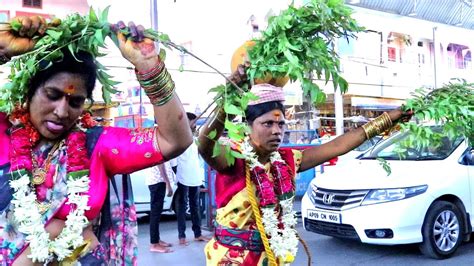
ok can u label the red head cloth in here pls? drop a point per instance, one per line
(267, 93)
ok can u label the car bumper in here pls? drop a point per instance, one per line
(142, 207)
(403, 217)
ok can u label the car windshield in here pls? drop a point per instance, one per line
(392, 150)
(368, 143)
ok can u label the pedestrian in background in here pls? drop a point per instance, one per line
(159, 184)
(189, 175)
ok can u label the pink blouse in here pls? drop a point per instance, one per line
(118, 151)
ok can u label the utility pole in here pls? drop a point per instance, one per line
(435, 55)
(154, 14)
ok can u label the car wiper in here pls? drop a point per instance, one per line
(395, 157)
(429, 158)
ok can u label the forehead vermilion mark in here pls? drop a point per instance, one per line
(70, 89)
(276, 114)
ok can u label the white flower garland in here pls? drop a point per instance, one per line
(283, 242)
(29, 220)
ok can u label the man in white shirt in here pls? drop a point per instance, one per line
(159, 183)
(189, 175)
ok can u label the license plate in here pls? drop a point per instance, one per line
(325, 216)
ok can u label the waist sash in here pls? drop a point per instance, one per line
(238, 239)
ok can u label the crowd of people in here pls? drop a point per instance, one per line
(58, 198)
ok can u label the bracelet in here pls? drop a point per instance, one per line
(157, 83)
(377, 126)
(4, 59)
(155, 70)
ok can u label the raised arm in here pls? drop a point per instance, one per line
(317, 155)
(206, 144)
(173, 133)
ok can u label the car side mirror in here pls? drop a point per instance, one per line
(469, 157)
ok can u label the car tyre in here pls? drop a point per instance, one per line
(442, 230)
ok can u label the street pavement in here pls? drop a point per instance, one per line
(324, 250)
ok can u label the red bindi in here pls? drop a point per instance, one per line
(70, 90)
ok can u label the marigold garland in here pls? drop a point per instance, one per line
(26, 214)
(282, 237)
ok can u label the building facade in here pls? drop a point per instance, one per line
(45, 8)
(396, 55)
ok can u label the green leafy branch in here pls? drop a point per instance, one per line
(300, 42)
(385, 165)
(451, 106)
(76, 33)
(297, 43)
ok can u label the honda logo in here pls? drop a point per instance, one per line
(328, 198)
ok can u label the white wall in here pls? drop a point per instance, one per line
(368, 76)
(58, 8)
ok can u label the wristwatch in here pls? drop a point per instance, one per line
(3, 59)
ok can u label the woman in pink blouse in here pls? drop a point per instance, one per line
(56, 204)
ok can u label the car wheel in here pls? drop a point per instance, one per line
(442, 230)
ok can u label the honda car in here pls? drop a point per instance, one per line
(427, 197)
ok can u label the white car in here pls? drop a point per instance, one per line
(428, 198)
(141, 195)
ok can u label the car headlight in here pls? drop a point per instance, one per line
(311, 192)
(391, 194)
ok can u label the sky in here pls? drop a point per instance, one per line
(190, 19)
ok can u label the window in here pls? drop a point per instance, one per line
(4, 15)
(391, 149)
(467, 60)
(32, 3)
(421, 58)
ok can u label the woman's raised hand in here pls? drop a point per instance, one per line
(137, 49)
(239, 76)
(399, 115)
(14, 42)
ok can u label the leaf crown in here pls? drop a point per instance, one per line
(75, 33)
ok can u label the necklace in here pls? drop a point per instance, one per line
(26, 210)
(39, 174)
(282, 241)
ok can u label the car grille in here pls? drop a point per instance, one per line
(337, 199)
(331, 229)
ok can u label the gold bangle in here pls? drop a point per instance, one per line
(389, 120)
(365, 131)
(369, 130)
(383, 122)
(377, 126)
